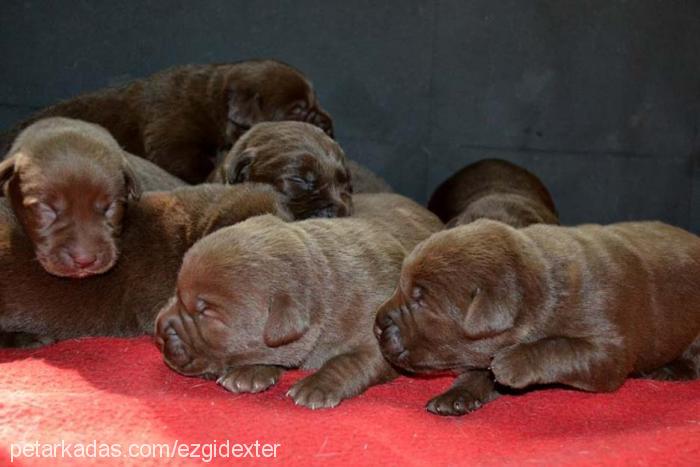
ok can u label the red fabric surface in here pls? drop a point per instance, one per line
(119, 391)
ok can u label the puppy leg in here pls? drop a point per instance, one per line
(341, 377)
(252, 378)
(582, 363)
(683, 369)
(469, 391)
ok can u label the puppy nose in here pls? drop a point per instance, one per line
(328, 211)
(321, 120)
(82, 259)
(388, 334)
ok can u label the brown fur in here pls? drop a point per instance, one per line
(493, 189)
(299, 160)
(122, 302)
(68, 182)
(181, 117)
(263, 296)
(584, 306)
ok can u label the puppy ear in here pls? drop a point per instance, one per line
(238, 169)
(286, 322)
(244, 107)
(485, 317)
(7, 170)
(133, 185)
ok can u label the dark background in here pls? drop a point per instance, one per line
(600, 98)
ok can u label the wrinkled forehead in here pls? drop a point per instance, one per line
(77, 177)
(295, 139)
(222, 276)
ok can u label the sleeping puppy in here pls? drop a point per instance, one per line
(584, 306)
(264, 296)
(181, 117)
(124, 300)
(299, 160)
(493, 189)
(68, 182)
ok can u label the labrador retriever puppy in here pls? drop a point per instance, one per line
(299, 160)
(124, 300)
(493, 189)
(581, 306)
(181, 117)
(264, 296)
(68, 182)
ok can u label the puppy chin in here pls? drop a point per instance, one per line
(58, 268)
(196, 367)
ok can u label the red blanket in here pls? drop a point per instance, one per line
(115, 399)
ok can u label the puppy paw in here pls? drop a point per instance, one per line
(453, 402)
(315, 394)
(512, 367)
(254, 378)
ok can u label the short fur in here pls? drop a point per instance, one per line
(264, 296)
(181, 117)
(299, 160)
(123, 301)
(68, 182)
(493, 189)
(584, 306)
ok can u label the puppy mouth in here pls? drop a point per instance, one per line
(59, 268)
(390, 338)
(180, 360)
(178, 355)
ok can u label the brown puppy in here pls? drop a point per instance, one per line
(584, 306)
(179, 118)
(493, 189)
(68, 182)
(263, 296)
(123, 301)
(299, 160)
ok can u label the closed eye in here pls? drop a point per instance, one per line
(307, 185)
(45, 213)
(109, 210)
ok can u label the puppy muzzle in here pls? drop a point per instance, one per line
(175, 352)
(321, 119)
(387, 329)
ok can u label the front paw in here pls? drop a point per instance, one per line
(455, 401)
(512, 367)
(254, 378)
(313, 393)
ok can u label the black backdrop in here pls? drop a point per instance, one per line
(600, 98)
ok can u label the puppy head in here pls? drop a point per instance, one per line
(299, 160)
(513, 209)
(69, 192)
(239, 301)
(460, 298)
(267, 90)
